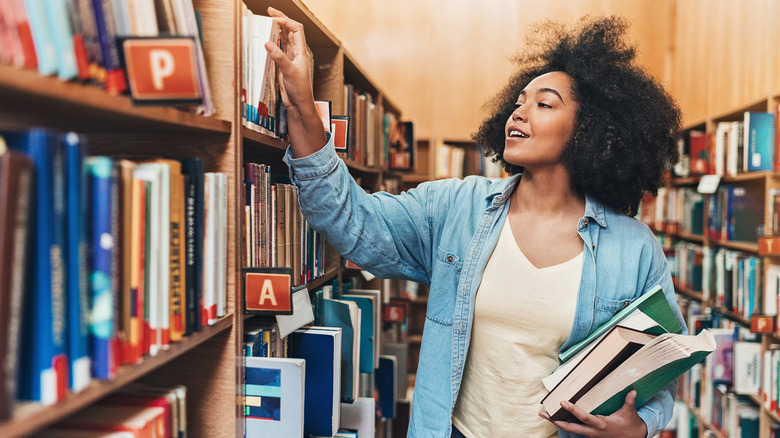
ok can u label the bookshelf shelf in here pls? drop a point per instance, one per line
(259, 140)
(319, 281)
(751, 247)
(29, 417)
(415, 178)
(79, 106)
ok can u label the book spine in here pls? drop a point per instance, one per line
(43, 366)
(40, 27)
(189, 252)
(176, 310)
(62, 39)
(137, 268)
(16, 177)
(77, 249)
(100, 170)
(106, 32)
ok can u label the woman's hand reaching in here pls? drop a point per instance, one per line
(304, 124)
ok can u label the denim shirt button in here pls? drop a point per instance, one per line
(449, 259)
(585, 223)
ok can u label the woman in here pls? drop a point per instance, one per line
(520, 269)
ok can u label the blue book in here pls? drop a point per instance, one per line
(102, 266)
(366, 305)
(759, 141)
(385, 384)
(43, 369)
(274, 397)
(321, 348)
(193, 169)
(76, 248)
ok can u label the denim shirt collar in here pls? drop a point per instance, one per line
(500, 191)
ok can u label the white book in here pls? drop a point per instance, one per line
(164, 256)
(359, 416)
(222, 237)
(747, 368)
(209, 249)
(283, 381)
(145, 18)
(721, 139)
(151, 173)
(262, 29)
(771, 286)
(302, 313)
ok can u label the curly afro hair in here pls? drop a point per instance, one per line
(626, 126)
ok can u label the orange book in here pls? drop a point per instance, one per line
(126, 302)
(143, 422)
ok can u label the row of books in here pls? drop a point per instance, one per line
(736, 147)
(136, 411)
(732, 213)
(734, 280)
(332, 358)
(80, 39)
(723, 387)
(124, 258)
(275, 232)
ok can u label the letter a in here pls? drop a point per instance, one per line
(267, 292)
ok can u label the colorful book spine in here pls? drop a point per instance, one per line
(106, 31)
(40, 27)
(43, 370)
(103, 191)
(76, 252)
(62, 39)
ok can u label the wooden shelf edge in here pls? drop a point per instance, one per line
(319, 281)
(29, 416)
(263, 139)
(352, 165)
(50, 88)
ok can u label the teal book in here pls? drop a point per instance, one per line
(366, 305)
(759, 137)
(338, 314)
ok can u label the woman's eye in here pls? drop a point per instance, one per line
(544, 105)
(518, 105)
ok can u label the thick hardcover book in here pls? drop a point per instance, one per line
(193, 169)
(103, 188)
(77, 249)
(116, 82)
(626, 360)
(366, 305)
(43, 367)
(45, 49)
(274, 397)
(321, 348)
(16, 191)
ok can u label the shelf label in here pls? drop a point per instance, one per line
(162, 70)
(268, 291)
(708, 184)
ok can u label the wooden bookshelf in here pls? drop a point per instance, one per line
(208, 363)
(760, 183)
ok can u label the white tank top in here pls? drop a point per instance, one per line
(522, 316)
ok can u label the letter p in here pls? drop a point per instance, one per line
(162, 66)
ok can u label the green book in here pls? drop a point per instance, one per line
(600, 382)
(653, 304)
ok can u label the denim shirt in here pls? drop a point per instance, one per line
(442, 234)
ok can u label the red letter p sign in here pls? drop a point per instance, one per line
(162, 70)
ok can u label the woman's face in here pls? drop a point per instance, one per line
(542, 123)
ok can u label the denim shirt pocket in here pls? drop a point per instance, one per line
(606, 308)
(446, 275)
